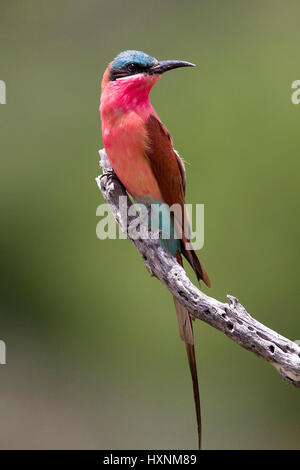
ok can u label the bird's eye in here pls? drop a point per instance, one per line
(132, 67)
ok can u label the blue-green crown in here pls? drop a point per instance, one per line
(136, 57)
(131, 62)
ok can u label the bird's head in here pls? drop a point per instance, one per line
(129, 78)
(138, 68)
(130, 63)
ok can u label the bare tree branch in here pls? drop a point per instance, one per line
(231, 318)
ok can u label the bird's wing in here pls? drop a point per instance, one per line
(169, 172)
(164, 162)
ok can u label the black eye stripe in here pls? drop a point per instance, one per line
(135, 67)
(129, 69)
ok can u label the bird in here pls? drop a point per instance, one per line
(140, 151)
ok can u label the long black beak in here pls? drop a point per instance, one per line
(166, 65)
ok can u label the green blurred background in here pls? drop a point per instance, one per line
(93, 354)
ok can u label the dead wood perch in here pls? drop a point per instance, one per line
(231, 318)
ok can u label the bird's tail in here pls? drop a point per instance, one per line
(187, 335)
(190, 349)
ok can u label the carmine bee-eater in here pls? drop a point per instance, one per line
(141, 153)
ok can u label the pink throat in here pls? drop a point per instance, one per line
(128, 93)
